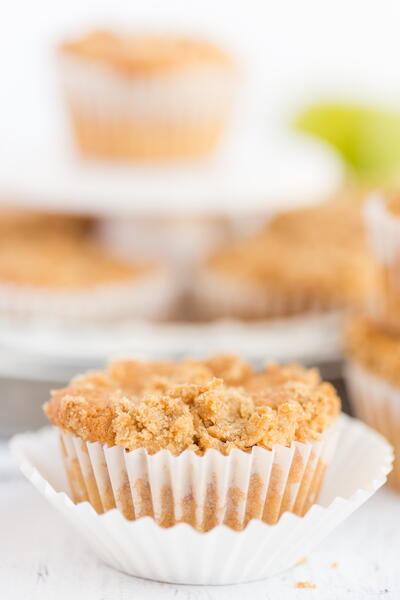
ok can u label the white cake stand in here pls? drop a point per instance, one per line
(252, 173)
(65, 351)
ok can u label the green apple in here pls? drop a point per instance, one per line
(367, 138)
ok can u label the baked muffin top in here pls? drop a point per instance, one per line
(374, 348)
(133, 53)
(55, 257)
(317, 251)
(219, 403)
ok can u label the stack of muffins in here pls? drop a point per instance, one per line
(130, 97)
(135, 97)
(373, 339)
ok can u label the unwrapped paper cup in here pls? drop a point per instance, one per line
(377, 403)
(181, 553)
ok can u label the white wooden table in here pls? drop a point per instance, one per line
(42, 558)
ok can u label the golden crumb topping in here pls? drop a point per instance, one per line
(374, 347)
(320, 252)
(58, 258)
(220, 403)
(138, 52)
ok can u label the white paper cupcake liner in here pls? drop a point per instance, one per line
(181, 554)
(377, 403)
(173, 105)
(218, 296)
(149, 296)
(203, 491)
(383, 231)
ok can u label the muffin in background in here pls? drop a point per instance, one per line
(201, 442)
(382, 220)
(51, 268)
(27, 223)
(146, 96)
(373, 379)
(309, 260)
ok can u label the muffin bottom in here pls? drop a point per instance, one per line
(123, 138)
(203, 491)
(216, 296)
(377, 403)
(383, 303)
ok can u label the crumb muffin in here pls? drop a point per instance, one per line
(373, 378)
(144, 96)
(197, 423)
(382, 219)
(306, 260)
(49, 271)
(25, 223)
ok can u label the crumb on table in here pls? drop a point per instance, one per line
(334, 565)
(305, 585)
(302, 561)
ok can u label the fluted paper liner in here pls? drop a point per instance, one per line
(148, 296)
(383, 230)
(203, 491)
(146, 116)
(219, 296)
(181, 554)
(377, 403)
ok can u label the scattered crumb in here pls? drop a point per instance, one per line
(334, 565)
(302, 561)
(305, 585)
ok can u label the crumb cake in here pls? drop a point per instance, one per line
(189, 409)
(373, 378)
(146, 96)
(305, 260)
(61, 262)
(382, 220)
(48, 269)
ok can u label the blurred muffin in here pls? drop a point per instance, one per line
(26, 223)
(313, 259)
(201, 442)
(146, 96)
(373, 379)
(51, 269)
(382, 219)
